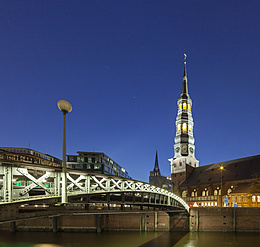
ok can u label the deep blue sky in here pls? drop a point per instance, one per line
(120, 64)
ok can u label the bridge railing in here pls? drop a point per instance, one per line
(48, 181)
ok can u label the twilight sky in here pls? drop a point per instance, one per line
(120, 64)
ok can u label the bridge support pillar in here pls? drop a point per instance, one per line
(155, 221)
(13, 226)
(98, 224)
(53, 224)
(143, 223)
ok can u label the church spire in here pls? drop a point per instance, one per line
(156, 166)
(184, 143)
(184, 80)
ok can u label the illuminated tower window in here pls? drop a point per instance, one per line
(184, 106)
(189, 107)
(179, 106)
(178, 127)
(190, 128)
(184, 127)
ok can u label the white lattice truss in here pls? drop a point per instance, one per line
(79, 183)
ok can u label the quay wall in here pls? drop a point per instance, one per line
(225, 219)
(139, 221)
(200, 219)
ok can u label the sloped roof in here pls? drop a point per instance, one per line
(239, 169)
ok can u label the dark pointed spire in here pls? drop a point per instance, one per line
(156, 166)
(184, 83)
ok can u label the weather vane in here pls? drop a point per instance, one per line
(185, 57)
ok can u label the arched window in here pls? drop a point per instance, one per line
(192, 193)
(215, 192)
(203, 193)
(184, 193)
(189, 107)
(229, 191)
(184, 106)
(179, 106)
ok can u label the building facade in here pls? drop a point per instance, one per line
(96, 162)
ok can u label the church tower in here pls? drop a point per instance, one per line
(184, 160)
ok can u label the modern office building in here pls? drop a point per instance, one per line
(96, 162)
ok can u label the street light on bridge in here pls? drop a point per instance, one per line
(65, 107)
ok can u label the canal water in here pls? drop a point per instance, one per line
(129, 239)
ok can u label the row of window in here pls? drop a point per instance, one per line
(31, 152)
(205, 192)
(184, 127)
(184, 106)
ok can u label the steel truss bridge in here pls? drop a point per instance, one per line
(41, 188)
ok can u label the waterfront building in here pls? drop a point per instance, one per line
(28, 155)
(96, 162)
(233, 183)
(156, 178)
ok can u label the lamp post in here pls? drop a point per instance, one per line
(221, 169)
(65, 107)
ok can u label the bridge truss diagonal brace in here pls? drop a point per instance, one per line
(75, 182)
(36, 182)
(99, 183)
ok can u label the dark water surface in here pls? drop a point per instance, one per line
(129, 239)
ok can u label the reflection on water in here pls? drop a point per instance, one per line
(220, 239)
(129, 239)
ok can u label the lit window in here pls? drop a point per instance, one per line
(233, 198)
(219, 192)
(203, 193)
(229, 191)
(179, 106)
(189, 107)
(245, 199)
(258, 198)
(239, 199)
(184, 127)
(215, 192)
(184, 105)
(184, 193)
(178, 127)
(253, 199)
(192, 193)
(190, 128)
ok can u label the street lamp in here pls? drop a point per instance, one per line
(65, 107)
(221, 169)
